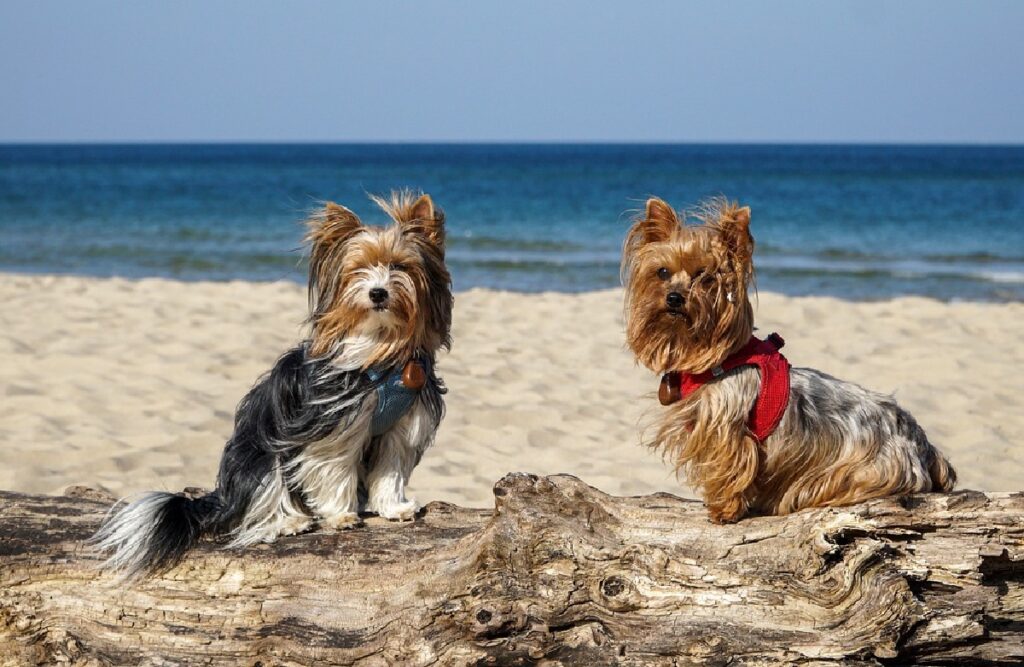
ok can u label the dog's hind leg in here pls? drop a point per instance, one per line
(327, 473)
(272, 512)
(392, 463)
(942, 473)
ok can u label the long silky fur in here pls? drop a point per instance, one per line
(315, 396)
(837, 443)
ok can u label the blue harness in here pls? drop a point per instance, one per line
(393, 398)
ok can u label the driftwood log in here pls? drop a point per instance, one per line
(557, 573)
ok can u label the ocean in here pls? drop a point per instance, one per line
(858, 222)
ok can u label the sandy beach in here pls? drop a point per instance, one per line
(131, 385)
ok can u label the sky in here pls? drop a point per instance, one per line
(907, 71)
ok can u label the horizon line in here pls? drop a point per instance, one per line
(498, 142)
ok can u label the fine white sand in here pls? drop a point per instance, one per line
(131, 385)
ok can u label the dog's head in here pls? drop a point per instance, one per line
(686, 286)
(387, 286)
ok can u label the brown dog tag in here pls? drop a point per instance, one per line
(413, 376)
(670, 391)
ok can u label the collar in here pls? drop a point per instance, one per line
(773, 395)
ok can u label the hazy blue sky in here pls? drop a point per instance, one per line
(512, 70)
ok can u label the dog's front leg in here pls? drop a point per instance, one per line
(398, 453)
(729, 481)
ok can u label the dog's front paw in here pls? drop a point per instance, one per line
(343, 521)
(730, 511)
(403, 511)
(294, 525)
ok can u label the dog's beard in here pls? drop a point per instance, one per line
(690, 338)
(363, 331)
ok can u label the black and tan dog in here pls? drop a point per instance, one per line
(339, 423)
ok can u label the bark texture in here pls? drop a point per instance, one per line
(557, 573)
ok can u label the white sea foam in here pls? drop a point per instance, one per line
(1014, 277)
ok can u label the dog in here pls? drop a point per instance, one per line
(748, 431)
(340, 422)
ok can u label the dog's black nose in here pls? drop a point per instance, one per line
(378, 295)
(674, 300)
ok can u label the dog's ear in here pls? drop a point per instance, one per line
(660, 221)
(335, 224)
(327, 233)
(425, 219)
(734, 228)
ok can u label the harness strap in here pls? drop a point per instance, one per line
(397, 389)
(773, 397)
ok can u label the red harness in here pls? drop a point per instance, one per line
(773, 397)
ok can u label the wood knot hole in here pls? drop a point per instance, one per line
(613, 586)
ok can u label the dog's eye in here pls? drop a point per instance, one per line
(395, 266)
(699, 274)
(664, 273)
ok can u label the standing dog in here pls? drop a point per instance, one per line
(749, 431)
(342, 419)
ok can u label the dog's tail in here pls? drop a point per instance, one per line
(153, 532)
(942, 473)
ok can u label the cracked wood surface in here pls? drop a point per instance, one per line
(557, 573)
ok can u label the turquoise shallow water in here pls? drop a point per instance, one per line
(860, 222)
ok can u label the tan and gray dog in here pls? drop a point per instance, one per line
(751, 433)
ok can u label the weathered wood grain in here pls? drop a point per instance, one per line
(557, 573)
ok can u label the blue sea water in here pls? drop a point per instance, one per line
(860, 222)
